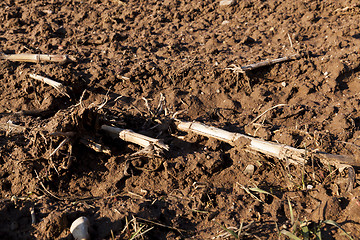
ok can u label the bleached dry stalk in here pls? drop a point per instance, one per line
(281, 151)
(58, 86)
(139, 139)
(250, 67)
(26, 57)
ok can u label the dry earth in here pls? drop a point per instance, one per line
(133, 56)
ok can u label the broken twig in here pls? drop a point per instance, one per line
(58, 147)
(97, 147)
(58, 86)
(250, 67)
(26, 57)
(279, 105)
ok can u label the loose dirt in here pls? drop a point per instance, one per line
(141, 63)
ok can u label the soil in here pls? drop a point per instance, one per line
(138, 65)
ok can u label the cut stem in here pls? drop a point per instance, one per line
(36, 58)
(133, 137)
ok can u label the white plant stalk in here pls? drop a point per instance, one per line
(58, 86)
(133, 137)
(281, 151)
(26, 57)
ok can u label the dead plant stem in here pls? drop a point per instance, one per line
(36, 58)
(281, 151)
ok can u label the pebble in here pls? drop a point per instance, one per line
(227, 2)
(249, 170)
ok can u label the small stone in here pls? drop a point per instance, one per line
(249, 170)
(227, 2)
(283, 84)
(48, 11)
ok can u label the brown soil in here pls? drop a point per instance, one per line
(132, 50)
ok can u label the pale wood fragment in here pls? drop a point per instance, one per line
(26, 57)
(227, 2)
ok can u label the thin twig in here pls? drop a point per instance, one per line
(248, 191)
(279, 105)
(106, 99)
(291, 44)
(44, 188)
(251, 67)
(81, 98)
(58, 147)
(62, 134)
(161, 225)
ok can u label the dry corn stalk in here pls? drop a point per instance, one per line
(130, 136)
(58, 86)
(281, 151)
(27, 57)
